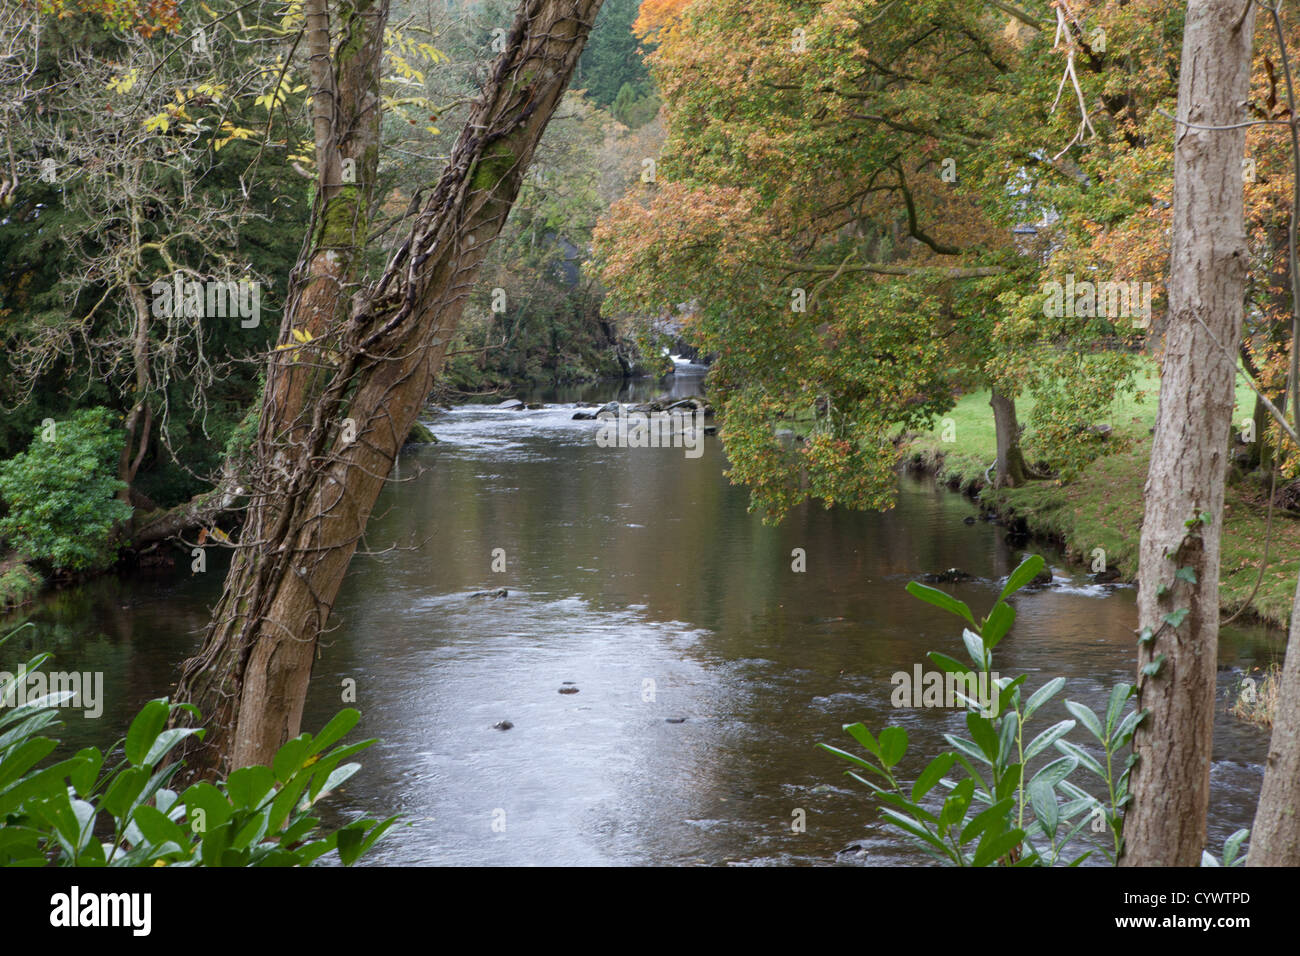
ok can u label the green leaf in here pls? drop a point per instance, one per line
(1042, 798)
(1119, 695)
(967, 748)
(1086, 717)
(997, 624)
(289, 758)
(144, 730)
(1055, 772)
(932, 774)
(994, 848)
(1152, 668)
(1043, 695)
(986, 738)
(975, 648)
(168, 739)
(1176, 617)
(981, 822)
(893, 744)
(1029, 569)
(954, 807)
(863, 736)
(852, 758)
(349, 846)
(1233, 846)
(83, 776)
(247, 786)
(941, 600)
(1086, 759)
(949, 664)
(335, 730)
(124, 790)
(1186, 574)
(157, 828)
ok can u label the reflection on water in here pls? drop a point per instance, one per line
(706, 668)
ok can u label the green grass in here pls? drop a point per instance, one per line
(1103, 507)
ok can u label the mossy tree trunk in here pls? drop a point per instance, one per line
(1010, 471)
(338, 409)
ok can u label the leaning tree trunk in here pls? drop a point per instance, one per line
(1010, 471)
(338, 409)
(1178, 596)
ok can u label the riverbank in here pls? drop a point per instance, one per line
(1102, 508)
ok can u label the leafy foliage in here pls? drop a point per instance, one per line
(994, 813)
(118, 808)
(60, 493)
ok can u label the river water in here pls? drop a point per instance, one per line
(706, 668)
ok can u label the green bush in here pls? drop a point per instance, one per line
(61, 493)
(116, 808)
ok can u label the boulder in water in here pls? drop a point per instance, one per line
(497, 593)
(420, 435)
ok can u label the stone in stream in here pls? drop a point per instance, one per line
(502, 725)
(511, 404)
(584, 417)
(853, 850)
(1106, 577)
(969, 519)
(497, 593)
(568, 688)
(1042, 579)
(951, 576)
(674, 720)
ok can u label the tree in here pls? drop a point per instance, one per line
(355, 362)
(874, 147)
(1178, 596)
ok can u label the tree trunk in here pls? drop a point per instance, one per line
(337, 410)
(1275, 836)
(1179, 615)
(1010, 471)
(140, 418)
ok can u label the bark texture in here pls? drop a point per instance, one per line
(1179, 609)
(1275, 836)
(338, 409)
(1010, 471)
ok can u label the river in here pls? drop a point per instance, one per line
(706, 668)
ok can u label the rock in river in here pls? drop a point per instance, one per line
(951, 576)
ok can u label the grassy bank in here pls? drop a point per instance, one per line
(1103, 507)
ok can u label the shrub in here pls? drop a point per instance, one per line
(60, 493)
(117, 809)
